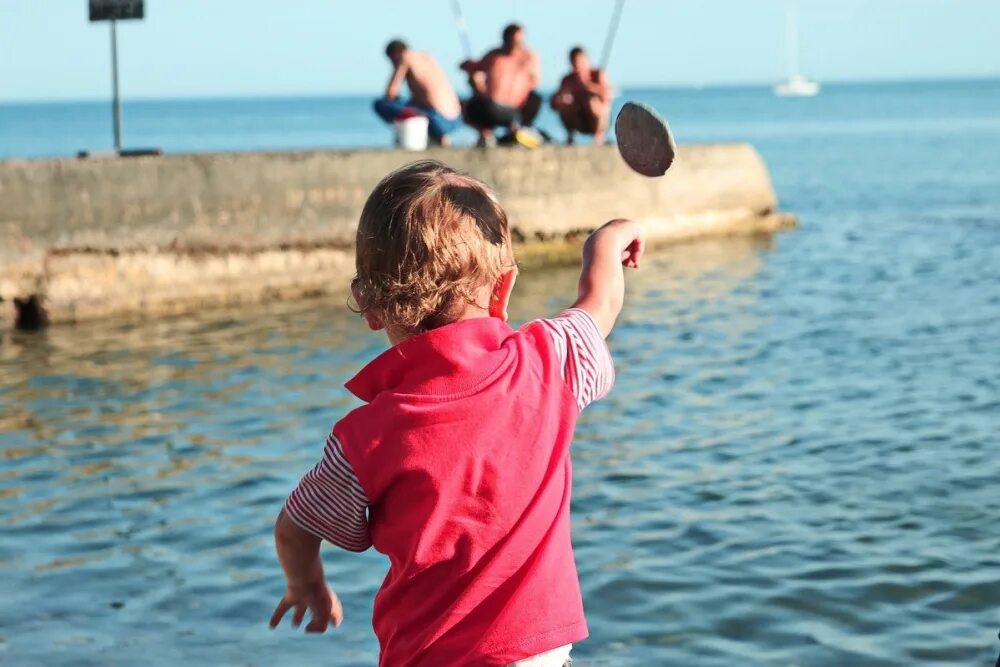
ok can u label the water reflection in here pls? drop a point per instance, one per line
(745, 491)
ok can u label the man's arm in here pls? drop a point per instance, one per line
(564, 95)
(565, 85)
(617, 244)
(396, 80)
(472, 66)
(602, 87)
(534, 69)
(306, 589)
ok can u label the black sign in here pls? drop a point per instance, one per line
(115, 10)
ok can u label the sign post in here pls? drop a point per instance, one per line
(114, 11)
(116, 100)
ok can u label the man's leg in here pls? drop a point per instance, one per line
(438, 126)
(570, 118)
(485, 114)
(530, 108)
(476, 116)
(388, 110)
(599, 111)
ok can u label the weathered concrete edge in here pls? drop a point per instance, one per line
(115, 238)
(178, 283)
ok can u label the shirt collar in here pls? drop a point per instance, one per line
(440, 361)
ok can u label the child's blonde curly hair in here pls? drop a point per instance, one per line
(429, 240)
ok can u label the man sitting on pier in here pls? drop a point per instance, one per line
(504, 96)
(583, 100)
(431, 94)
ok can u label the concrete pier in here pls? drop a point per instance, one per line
(82, 239)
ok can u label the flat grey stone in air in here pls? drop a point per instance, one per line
(644, 139)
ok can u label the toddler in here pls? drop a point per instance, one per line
(457, 464)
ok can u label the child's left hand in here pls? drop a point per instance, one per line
(318, 599)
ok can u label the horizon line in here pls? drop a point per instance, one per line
(994, 78)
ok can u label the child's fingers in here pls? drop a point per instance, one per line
(279, 612)
(336, 610)
(319, 623)
(633, 253)
(640, 248)
(323, 616)
(300, 613)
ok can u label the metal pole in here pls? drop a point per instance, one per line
(116, 105)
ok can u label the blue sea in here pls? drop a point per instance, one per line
(799, 464)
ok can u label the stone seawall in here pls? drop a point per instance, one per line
(167, 234)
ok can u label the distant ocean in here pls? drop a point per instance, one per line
(278, 123)
(799, 463)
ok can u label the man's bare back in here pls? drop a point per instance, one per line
(429, 85)
(431, 94)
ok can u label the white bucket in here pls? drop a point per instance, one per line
(411, 133)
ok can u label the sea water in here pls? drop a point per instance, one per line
(799, 463)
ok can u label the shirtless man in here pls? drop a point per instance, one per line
(583, 100)
(504, 81)
(431, 93)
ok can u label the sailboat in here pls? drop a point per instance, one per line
(796, 85)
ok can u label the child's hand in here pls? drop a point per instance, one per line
(321, 601)
(602, 283)
(635, 248)
(623, 234)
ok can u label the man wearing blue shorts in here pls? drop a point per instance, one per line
(431, 93)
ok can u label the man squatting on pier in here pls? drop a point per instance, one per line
(504, 96)
(431, 93)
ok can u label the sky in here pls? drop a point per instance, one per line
(221, 48)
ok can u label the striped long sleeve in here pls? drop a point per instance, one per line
(585, 360)
(330, 503)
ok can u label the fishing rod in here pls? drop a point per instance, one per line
(612, 31)
(463, 30)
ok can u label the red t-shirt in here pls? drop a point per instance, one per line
(460, 456)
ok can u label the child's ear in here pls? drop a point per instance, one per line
(374, 322)
(500, 297)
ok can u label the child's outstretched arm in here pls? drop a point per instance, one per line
(616, 244)
(306, 589)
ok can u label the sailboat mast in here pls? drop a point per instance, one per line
(796, 85)
(792, 41)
